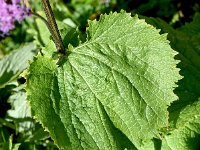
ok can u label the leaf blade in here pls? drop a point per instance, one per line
(124, 79)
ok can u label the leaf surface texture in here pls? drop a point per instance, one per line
(121, 78)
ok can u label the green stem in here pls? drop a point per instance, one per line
(53, 26)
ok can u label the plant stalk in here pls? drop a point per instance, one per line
(53, 26)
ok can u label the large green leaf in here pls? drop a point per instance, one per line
(122, 77)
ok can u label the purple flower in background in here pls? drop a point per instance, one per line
(10, 12)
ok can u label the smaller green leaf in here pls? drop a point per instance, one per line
(15, 63)
(188, 114)
(186, 136)
(42, 34)
(20, 112)
(20, 109)
(40, 31)
(70, 36)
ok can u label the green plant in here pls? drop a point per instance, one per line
(115, 86)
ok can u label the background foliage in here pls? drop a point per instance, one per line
(180, 19)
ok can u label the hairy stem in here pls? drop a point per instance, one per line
(53, 26)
